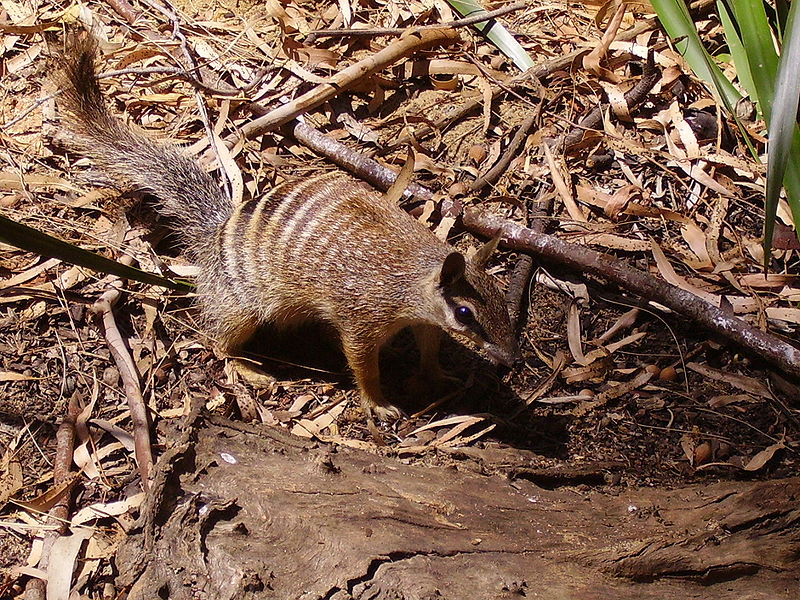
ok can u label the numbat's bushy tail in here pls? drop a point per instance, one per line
(325, 248)
(187, 194)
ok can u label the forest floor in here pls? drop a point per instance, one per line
(612, 393)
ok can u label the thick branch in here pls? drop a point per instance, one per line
(769, 348)
(404, 46)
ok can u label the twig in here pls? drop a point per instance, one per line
(766, 346)
(59, 513)
(365, 168)
(517, 291)
(517, 288)
(485, 16)
(510, 153)
(633, 97)
(398, 49)
(130, 378)
(125, 10)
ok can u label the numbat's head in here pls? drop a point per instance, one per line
(470, 304)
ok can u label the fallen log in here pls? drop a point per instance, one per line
(252, 512)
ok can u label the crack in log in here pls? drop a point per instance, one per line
(396, 557)
(320, 493)
(764, 521)
(715, 574)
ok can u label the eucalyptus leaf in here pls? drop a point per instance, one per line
(677, 22)
(33, 240)
(784, 137)
(495, 33)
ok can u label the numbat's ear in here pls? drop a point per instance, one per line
(485, 252)
(452, 269)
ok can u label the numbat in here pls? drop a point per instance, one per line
(325, 248)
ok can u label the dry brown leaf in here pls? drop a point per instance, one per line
(564, 399)
(122, 436)
(305, 428)
(626, 321)
(629, 339)
(45, 501)
(572, 207)
(82, 457)
(610, 241)
(616, 99)
(486, 92)
(442, 230)
(33, 312)
(725, 399)
(446, 423)
(395, 193)
(669, 274)
(230, 168)
(329, 417)
(613, 392)
(455, 431)
(742, 382)
(688, 446)
(687, 137)
(591, 61)
(696, 170)
(23, 59)
(102, 510)
(597, 372)
(12, 376)
(14, 182)
(578, 291)
(170, 98)
(763, 457)
(789, 315)
(790, 294)
(29, 29)
(290, 23)
(144, 54)
(619, 200)
(767, 281)
(696, 239)
(556, 365)
(10, 475)
(702, 453)
(595, 197)
(18, 12)
(61, 563)
(463, 441)
(574, 335)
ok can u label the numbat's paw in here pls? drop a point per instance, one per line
(382, 412)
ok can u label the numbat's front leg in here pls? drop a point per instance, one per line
(363, 360)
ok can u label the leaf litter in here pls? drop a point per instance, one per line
(606, 377)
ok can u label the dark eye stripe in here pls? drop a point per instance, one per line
(474, 325)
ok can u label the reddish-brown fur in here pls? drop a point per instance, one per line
(326, 248)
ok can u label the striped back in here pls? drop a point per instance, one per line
(320, 246)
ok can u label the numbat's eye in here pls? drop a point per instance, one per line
(464, 315)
